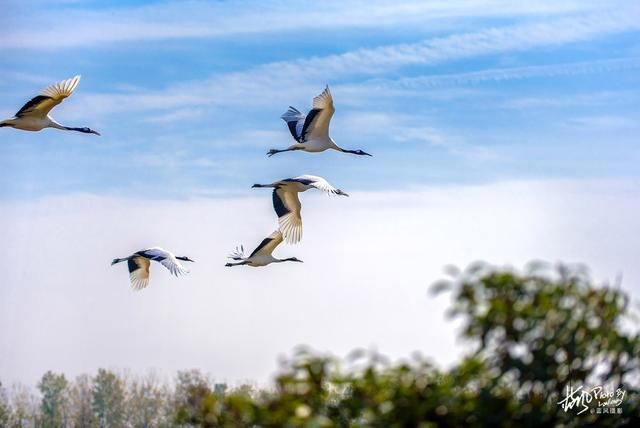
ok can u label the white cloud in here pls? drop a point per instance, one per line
(412, 129)
(427, 135)
(604, 122)
(588, 99)
(369, 260)
(66, 26)
(179, 115)
(512, 73)
(175, 160)
(262, 85)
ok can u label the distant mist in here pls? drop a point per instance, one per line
(369, 260)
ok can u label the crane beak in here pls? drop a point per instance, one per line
(91, 131)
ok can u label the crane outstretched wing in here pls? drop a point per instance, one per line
(295, 122)
(287, 207)
(174, 266)
(50, 97)
(237, 254)
(268, 244)
(166, 259)
(319, 183)
(316, 124)
(138, 272)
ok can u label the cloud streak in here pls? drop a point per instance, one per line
(262, 85)
(72, 26)
(514, 73)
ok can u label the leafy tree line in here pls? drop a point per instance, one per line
(108, 399)
(536, 335)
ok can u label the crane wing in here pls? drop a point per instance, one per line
(138, 272)
(237, 254)
(174, 266)
(50, 97)
(295, 122)
(268, 244)
(317, 182)
(287, 207)
(166, 259)
(316, 124)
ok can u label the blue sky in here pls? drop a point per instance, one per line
(501, 131)
(188, 95)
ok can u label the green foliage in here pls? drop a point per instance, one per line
(147, 404)
(5, 409)
(533, 334)
(108, 399)
(81, 394)
(24, 408)
(540, 331)
(54, 404)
